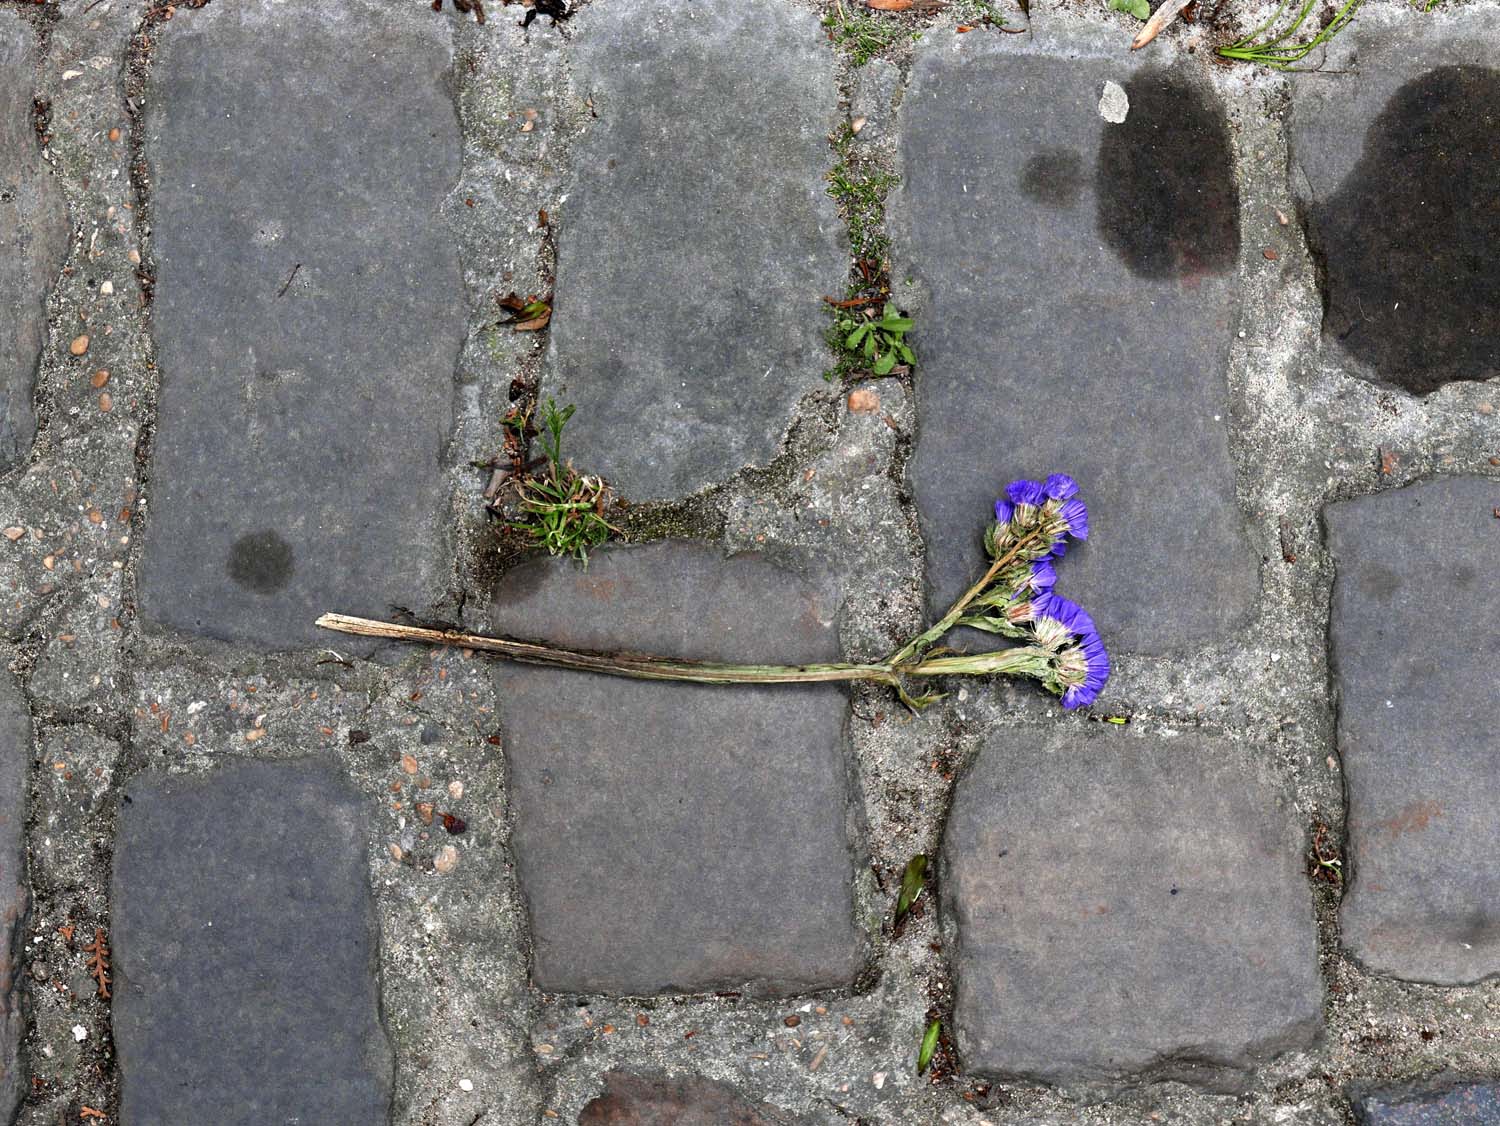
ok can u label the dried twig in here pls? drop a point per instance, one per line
(98, 952)
(1159, 19)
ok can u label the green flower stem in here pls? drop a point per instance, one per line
(926, 640)
(1020, 661)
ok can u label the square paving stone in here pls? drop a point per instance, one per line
(697, 240)
(308, 317)
(1082, 285)
(34, 233)
(245, 951)
(15, 767)
(677, 837)
(1453, 1104)
(1126, 906)
(1397, 159)
(640, 1100)
(1416, 660)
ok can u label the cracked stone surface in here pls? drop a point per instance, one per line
(677, 837)
(682, 901)
(1126, 905)
(34, 235)
(1416, 640)
(303, 318)
(1082, 285)
(246, 950)
(690, 272)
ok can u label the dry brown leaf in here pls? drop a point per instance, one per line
(98, 952)
(889, 5)
(535, 323)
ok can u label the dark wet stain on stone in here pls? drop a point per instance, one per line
(1168, 201)
(1053, 178)
(1408, 244)
(261, 562)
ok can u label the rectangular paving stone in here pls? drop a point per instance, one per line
(15, 766)
(676, 837)
(697, 239)
(1405, 125)
(245, 951)
(307, 319)
(1127, 906)
(1415, 636)
(34, 234)
(1453, 1104)
(643, 1100)
(1081, 277)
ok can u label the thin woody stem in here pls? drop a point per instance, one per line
(1020, 661)
(956, 611)
(639, 668)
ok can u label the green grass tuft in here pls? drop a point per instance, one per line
(1277, 51)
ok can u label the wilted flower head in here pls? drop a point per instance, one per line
(1033, 522)
(1036, 519)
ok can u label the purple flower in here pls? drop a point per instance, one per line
(1069, 614)
(1095, 673)
(1060, 486)
(1043, 576)
(1026, 492)
(1004, 510)
(1076, 517)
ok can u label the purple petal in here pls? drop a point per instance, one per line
(1076, 516)
(1026, 492)
(1060, 486)
(1004, 510)
(1043, 575)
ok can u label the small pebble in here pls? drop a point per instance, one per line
(1484, 408)
(446, 859)
(409, 764)
(106, 402)
(80, 1033)
(101, 377)
(395, 851)
(134, 257)
(79, 346)
(791, 1021)
(107, 288)
(466, 1084)
(114, 134)
(455, 789)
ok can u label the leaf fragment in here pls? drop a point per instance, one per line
(929, 1045)
(911, 883)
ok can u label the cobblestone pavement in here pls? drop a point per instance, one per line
(252, 347)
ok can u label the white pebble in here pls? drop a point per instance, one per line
(466, 1084)
(1114, 103)
(80, 1033)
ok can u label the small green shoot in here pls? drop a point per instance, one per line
(864, 35)
(880, 343)
(562, 510)
(1140, 9)
(911, 884)
(929, 1045)
(1277, 52)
